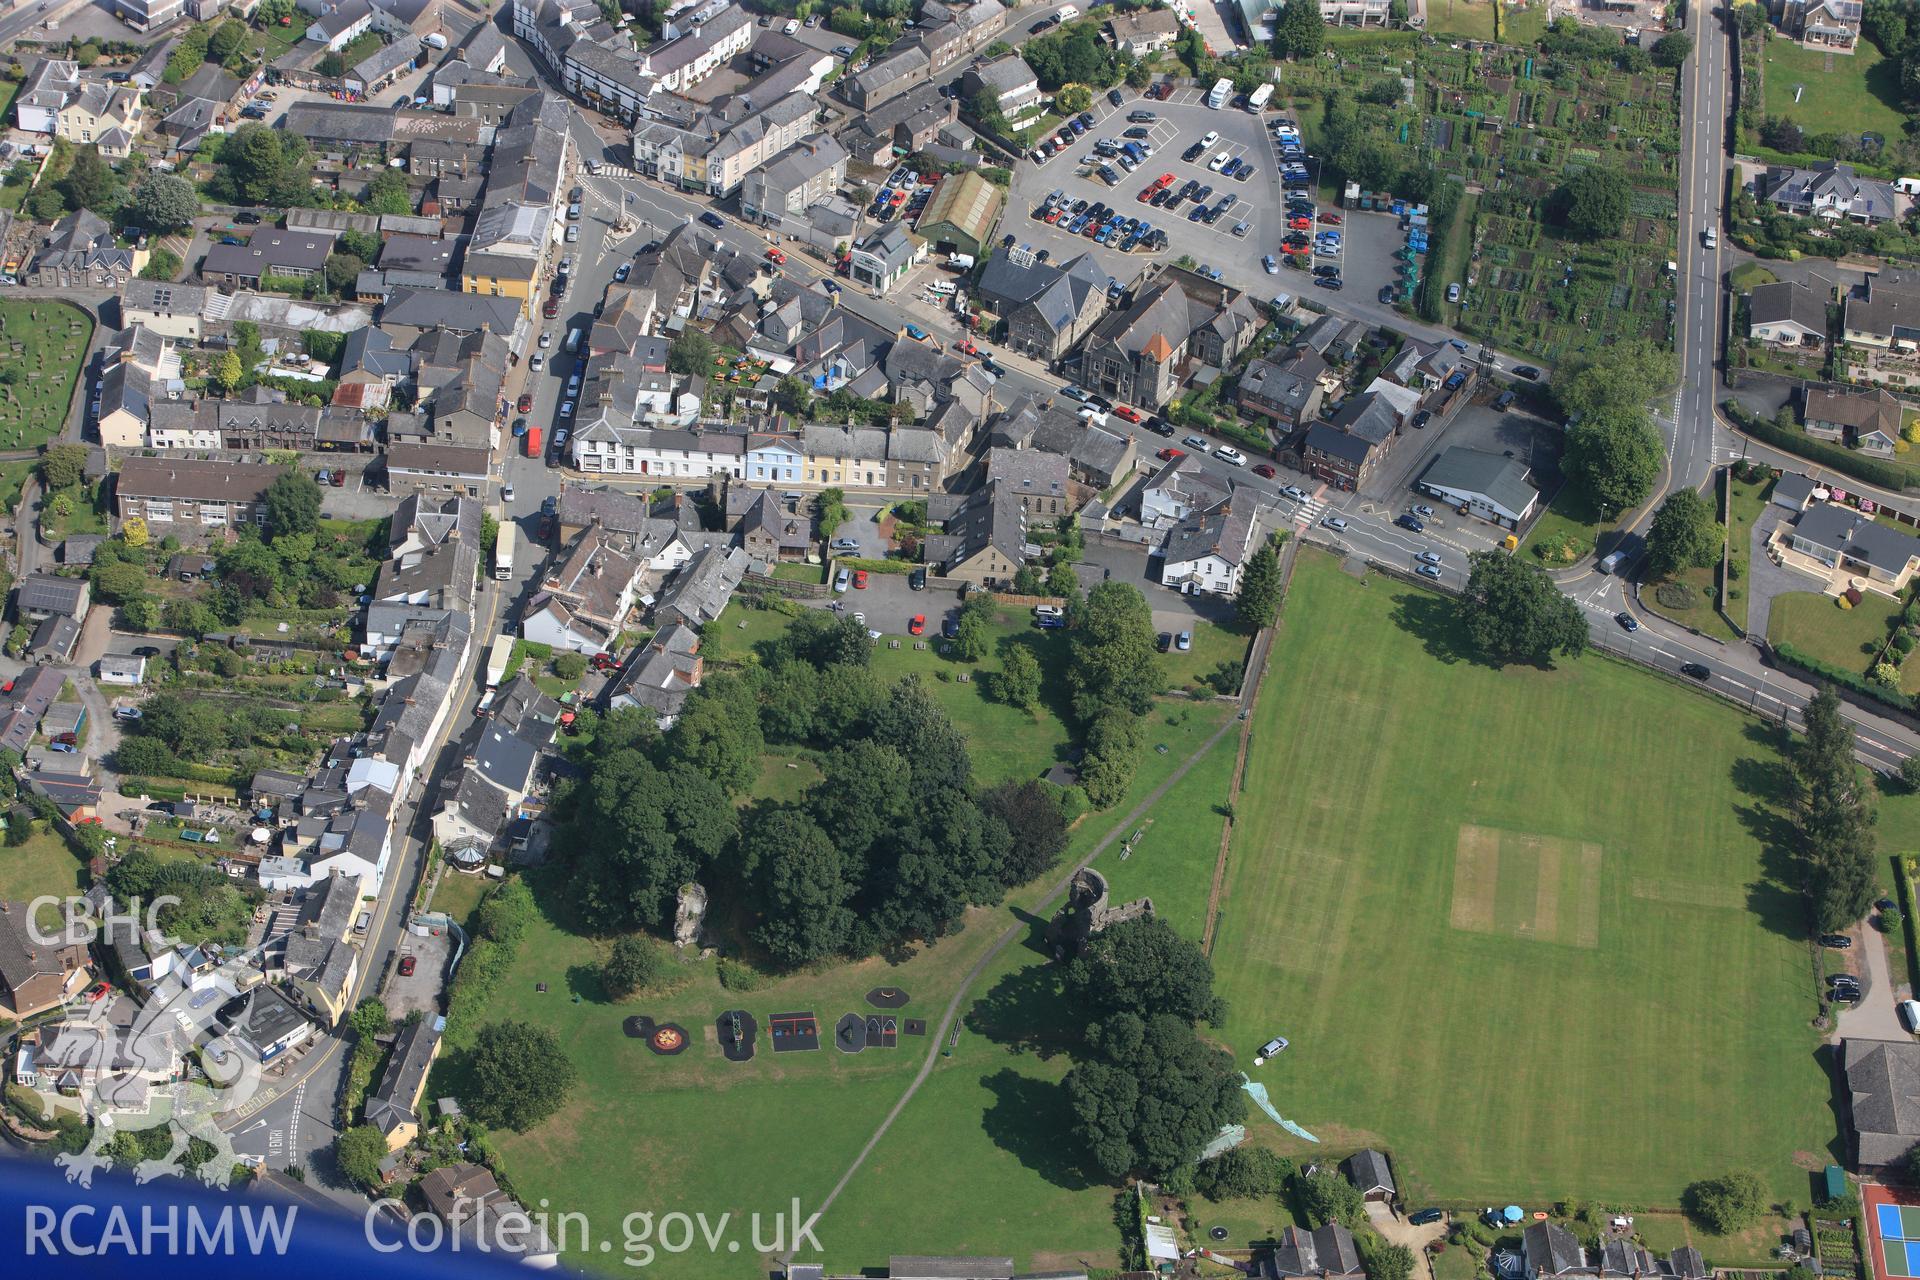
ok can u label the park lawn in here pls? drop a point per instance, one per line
(994, 1109)
(1754, 1247)
(1608, 835)
(458, 893)
(44, 865)
(49, 341)
(1815, 624)
(1470, 19)
(1858, 96)
(1452, 267)
(1746, 502)
(694, 1132)
(1213, 644)
(783, 778)
(1571, 512)
(1699, 613)
(1005, 741)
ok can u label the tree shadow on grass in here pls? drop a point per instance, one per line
(1026, 1012)
(584, 981)
(1769, 783)
(1431, 620)
(1028, 1120)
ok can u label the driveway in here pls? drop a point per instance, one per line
(1398, 1230)
(1873, 1018)
(1765, 579)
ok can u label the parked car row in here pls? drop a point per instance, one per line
(1101, 224)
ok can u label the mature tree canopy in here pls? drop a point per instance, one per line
(1035, 824)
(643, 831)
(806, 883)
(1018, 684)
(718, 732)
(89, 183)
(1243, 1173)
(1514, 613)
(292, 503)
(633, 965)
(1621, 375)
(1326, 1197)
(1594, 202)
(1834, 818)
(1672, 49)
(691, 352)
(388, 193)
(163, 202)
(1616, 455)
(1110, 660)
(63, 466)
(359, 1152)
(1684, 534)
(1300, 33)
(1151, 1095)
(518, 1075)
(1258, 603)
(1144, 966)
(1729, 1203)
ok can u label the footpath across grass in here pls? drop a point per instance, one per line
(1453, 888)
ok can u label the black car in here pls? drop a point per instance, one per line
(1411, 523)
(950, 628)
(146, 651)
(1192, 153)
(713, 220)
(1115, 97)
(1334, 283)
(1627, 621)
(247, 219)
(1526, 371)
(549, 505)
(1166, 641)
(1137, 132)
(917, 580)
(1424, 1216)
(1038, 27)
(1845, 995)
(1161, 427)
(1422, 418)
(1386, 295)
(1842, 980)
(1326, 269)
(1694, 670)
(1838, 941)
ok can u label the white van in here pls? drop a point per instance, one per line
(1067, 13)
(573, 340)
(941, 288)
(961, 262)
(1910, 1014)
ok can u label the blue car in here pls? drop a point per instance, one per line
(1196, 213)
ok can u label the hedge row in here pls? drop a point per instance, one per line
(1841, 676)
(1839, 457)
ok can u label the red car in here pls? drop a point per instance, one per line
(1169, 454)
(551, 309)
(967, 348)
(1166, 180)
(1128, 412)
(407, 963)
(1331, 219)
(603, 662)
(918, 625)
(774, 255)
(1300, 224)
(526, 402)
(1264, 471)
(859, 579)
(1146, 194)
(97, 992)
